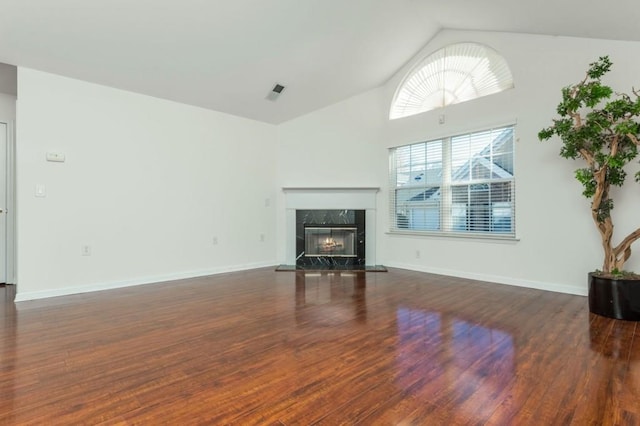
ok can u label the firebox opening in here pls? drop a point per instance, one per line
(330, 241)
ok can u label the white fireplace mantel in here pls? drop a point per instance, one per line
(330, 198)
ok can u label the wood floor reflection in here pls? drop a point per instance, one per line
(266, 347)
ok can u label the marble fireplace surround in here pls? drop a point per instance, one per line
(330, 198)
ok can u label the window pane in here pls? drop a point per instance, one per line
(418, 208)
(501, 191)
(403, 165)
(501, 217)
(419, 164)
(482, 208)
(481, 168)
(426, 218)
(460, 157)
(459, 217)
(503, 141)
(418, 160)
(434, 163)
(502, 166)
(479, 208)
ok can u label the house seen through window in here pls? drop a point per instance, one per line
(463, 184)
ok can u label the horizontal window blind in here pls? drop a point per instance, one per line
(463, 184)
(454, 74)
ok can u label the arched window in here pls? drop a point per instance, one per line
(457, 73)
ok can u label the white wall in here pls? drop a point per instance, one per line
(557, 243)
(339, 146)
(147, 184)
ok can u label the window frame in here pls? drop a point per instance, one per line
(494, 220)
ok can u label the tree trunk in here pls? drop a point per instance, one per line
(623, 250)
(606, 232)
(604, 225)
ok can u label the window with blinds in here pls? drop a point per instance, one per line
(458, 185)
(457, 73)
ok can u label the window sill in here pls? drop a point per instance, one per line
(456, 236)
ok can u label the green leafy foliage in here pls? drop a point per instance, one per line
(600, 128)
(585, 177)
(603, 129)
(599, 68)
(603, 210)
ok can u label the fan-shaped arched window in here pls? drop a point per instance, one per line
(457, 73)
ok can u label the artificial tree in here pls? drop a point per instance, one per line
(603, 129)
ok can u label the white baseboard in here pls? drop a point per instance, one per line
(557, 288)
(24, 296)
(33, 295)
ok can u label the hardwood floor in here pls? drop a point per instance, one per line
(286, 348)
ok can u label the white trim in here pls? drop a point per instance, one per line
(496, 279)
(33, 295)
(478, 237)
(11, 203)
(330, 188)
(330, 198)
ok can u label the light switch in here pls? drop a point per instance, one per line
(41, 191)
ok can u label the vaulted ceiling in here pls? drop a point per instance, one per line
(227, 55)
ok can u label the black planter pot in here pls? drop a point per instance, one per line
(614, 298)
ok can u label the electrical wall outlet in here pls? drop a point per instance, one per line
(417, 254)
(57, 157)
(86, 250)
(262, 238)
(215, 241)
(41, 191)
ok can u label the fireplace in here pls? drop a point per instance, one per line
(330, 238)
(337, 207)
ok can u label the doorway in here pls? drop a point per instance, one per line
(7, 218)
(8, 97)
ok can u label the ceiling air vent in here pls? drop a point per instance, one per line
(274, 94)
